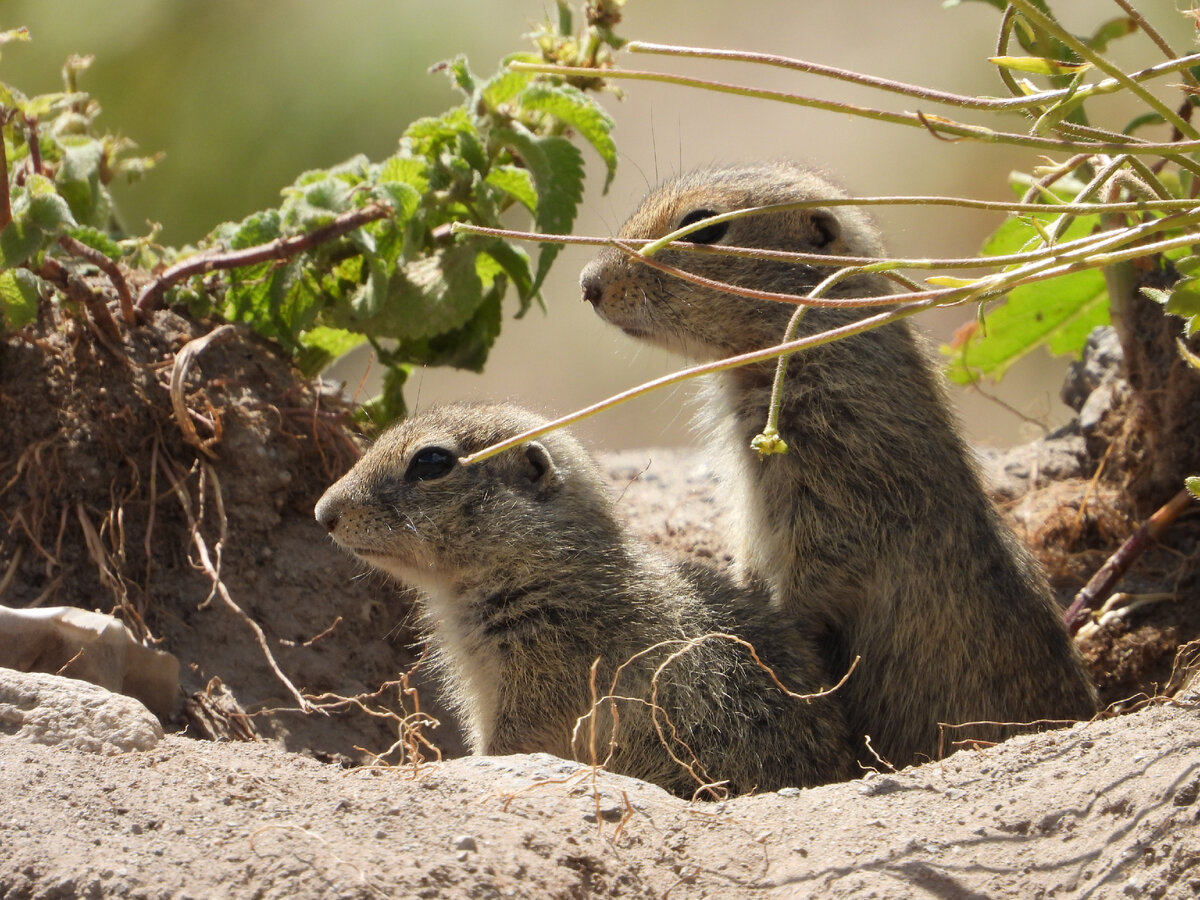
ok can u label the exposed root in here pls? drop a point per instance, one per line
(213, 570)
(183, 361)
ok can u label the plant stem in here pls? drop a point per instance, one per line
(941, 126)
(1157, 38)
(5, 197)
(683, 375)
(1018, 102)
(1105, 581)
(109, 268)
(281, 248)
(1048, 25)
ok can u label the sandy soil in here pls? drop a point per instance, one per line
(1103, 810)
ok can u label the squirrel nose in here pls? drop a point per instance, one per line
(327, 514)
(593, 287)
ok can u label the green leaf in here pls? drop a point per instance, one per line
(78, 181)
(1060, 313)
(1184, 300)
(515, 263)
(19, 240)
(557, 168)
(1110, 31)
(470, 148)
(427, 297)
(426, 137)
(47, 210)
(405, 170)
(517, 183)
(1143, 121)
(502, 88)
(579, 111)
(319, 346)
(1039, 65)
(97, 240)
(18, 298)
(1193, 484)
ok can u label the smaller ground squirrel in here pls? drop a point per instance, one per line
(874, 527)
(528, 577)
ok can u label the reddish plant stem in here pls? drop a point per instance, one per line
(1105, 581)
(80, 292)
(5, 198)
(35, 147)
(109, 268)
(282, 248)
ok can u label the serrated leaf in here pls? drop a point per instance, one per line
(517, 183)
(470, 148)
(1039, 65)
(1184, 299)
(429, 296)
(502, 88)
(321, 345)
(18, 299)
(1193, 485)
(406, 170)
(404, 199)
(1060, 313)
(427, 135)
(78, 181)
(315, 203)
(557, 168)
(579, 111)
(20, 240)
(515, 263)
(47, 210)
(97, 240)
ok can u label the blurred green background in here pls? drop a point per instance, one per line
(243, 96)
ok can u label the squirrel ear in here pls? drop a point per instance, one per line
(826, 228)
(541, 471)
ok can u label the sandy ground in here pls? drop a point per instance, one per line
(1101, 810)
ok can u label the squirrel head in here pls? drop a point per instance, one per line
(411, 508)
(704, 322)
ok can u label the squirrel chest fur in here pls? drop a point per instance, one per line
(874, 528)
(528, 580)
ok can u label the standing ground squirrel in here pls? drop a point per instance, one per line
(874, 527)
(528, 577)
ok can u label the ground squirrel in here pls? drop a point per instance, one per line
(874, 527)
(528, 577)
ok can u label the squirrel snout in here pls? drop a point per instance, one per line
(591, 283)
(327, 513)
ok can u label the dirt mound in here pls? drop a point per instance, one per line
(107, 506)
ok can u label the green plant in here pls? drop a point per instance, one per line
(362, 251)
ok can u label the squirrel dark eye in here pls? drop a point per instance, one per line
(707, 235)
(430, 463)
